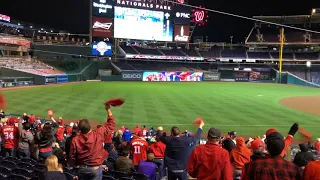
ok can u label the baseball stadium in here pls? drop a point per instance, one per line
(167, 77)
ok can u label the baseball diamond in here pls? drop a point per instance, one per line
(250, 108)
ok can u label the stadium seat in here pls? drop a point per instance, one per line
(108, 178)
(9, 164)
(138, 176)
(13, 159)
(3, 177)
(119, 174)
(126, 178)
(40, 167)
(24, 172)
(17, 177)
(4, 171)
(68, 176)
(30, 161)
(25, 165)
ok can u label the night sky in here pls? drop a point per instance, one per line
(73, 15)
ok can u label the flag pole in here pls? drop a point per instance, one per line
(281, 51)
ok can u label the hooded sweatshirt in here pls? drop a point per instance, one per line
(240, 155)
(304, 157)
(25, 137)
(158, 149)
(127, 135)
(87, 149)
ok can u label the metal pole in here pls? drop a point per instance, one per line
(90, 21)
(281, 51)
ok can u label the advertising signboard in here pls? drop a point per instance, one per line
(102, 27)
(172, 76)
(182, 15)
(211, 76)
(50, 80)
(181, 33)
(131, 75)
(103, 8)
(62, 78)
(101, 49)
(5, 18)
(142, 24)
(160, 5)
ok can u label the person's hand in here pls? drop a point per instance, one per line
(107, 106)
(201, 124)
(294, 129)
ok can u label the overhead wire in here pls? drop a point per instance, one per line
(245, 17)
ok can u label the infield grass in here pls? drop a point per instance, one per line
(248, 108)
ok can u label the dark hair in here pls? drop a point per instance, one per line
(126, 151)
(75, 130)
(99, 126)
(175, 131)
(84, 126)
(47, 131)
(26, 126)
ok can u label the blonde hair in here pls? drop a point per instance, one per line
(119, 132)
(150, 157)
(52, 163)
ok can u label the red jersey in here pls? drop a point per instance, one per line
(10, 136)
(60, 133)
(317, 146)
(139, 148)
(144, 131)
(69, 131)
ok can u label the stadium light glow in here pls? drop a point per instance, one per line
(200, 15)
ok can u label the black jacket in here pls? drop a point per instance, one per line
(302, 158)
(228, 144)
(53, 175)
(175, 156)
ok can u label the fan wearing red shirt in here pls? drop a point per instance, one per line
(144, 131)
(69, 130)
(11, 136)
(87, 150)
(60, 133)
(158, 148)
(139, 148)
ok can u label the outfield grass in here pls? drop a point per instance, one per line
(248, 108)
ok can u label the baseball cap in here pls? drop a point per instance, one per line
(214, 133)
(269, 131)
(256, 144)
(233, 133)
(140, 134)
(275, 143)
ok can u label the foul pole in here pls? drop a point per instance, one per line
(281, 51)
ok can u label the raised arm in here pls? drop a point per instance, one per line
(198, 134)
(108, 126)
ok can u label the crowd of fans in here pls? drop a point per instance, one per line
(50, 150)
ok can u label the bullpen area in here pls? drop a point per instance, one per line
(248, 108)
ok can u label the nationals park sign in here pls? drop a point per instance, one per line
(146, 4)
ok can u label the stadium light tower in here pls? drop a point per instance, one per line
(308, 64)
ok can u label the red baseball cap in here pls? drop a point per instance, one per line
(115, 102)
(140, 134)
(269, 131)
(11, 120)
(256, 144)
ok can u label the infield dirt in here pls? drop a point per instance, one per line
(309, 104)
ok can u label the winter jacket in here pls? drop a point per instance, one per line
(25, 137)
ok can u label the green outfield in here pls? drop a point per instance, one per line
(248, 108)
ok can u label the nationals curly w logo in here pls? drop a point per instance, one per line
(199, 16)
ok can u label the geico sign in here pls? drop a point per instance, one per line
(183, 15)
(131, 76)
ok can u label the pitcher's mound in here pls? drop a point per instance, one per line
(309, 104)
